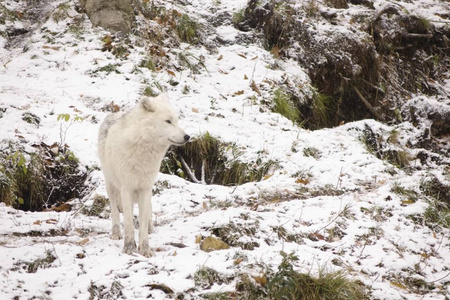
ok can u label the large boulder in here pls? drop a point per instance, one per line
(113, 15)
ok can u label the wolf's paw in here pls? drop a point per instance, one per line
(115, 234)
(145, 250)
(129, 247)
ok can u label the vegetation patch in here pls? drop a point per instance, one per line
(206, 277)
(287, 283)
(188, 29)
(237, 234)
(37, 181)
(104, 292)
(438, 212)
(392, 153)
(284, 106)
(207, 160)
(97, 208)
(40, 263)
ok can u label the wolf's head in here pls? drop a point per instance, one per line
(163, 120)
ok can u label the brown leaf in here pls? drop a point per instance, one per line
(254, 57)
(242, 55)
(114, 107)
(83, 242)
(238, 261)
(245, 77)
(267, 176)
(275, 51)
(302, 181)
(171, 73)
(195, 110)
(315, 236)
(51, 47)
(220, 57)
(255, 87)
(37, 222)
(198, 239)
(51, 221)
(238, 93)
(261, 280)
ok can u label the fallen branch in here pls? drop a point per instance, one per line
(368, 105)
(189, 171)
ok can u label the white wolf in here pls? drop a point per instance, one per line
(131, 147)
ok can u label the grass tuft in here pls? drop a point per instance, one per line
(187, 29)
(285, 107)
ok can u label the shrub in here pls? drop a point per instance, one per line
(40, 180)
(208, 160)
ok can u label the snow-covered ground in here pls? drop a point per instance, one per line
(338, 203)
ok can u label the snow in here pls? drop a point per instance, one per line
(60, 76)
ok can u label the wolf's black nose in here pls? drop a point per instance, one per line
(186, 137)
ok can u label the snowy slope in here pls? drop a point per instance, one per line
(344, 214)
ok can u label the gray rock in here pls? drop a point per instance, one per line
(113, 15)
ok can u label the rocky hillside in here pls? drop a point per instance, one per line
(319, 166)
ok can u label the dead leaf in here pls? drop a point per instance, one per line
(267, 176)
(275, 51)
(83, 242)
(302, 181)
(407, 202)
(255, 87)
(37, 222)
(198, 239)
(245, 77)
(51, 221)
(171, 73)
(261, 280)
(161, 287)
(62, 207)
(399, 285)
(237, 261)
(254, 57)
(315, 236)
(242, 55)
(223, 72)
(51, 47)
(81, 255)
(220, 57)
(238, 93)
(205, 206)
(195, 110)
(114, 107)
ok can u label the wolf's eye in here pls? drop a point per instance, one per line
(168, 122)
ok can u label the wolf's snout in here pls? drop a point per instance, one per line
(186, 137)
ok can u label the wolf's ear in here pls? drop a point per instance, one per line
(148, 104)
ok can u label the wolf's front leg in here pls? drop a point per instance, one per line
(145, 212)
(127, 204)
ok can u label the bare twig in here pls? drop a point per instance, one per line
(368, 105)
(189, 171)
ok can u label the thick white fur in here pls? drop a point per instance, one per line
(131, 147)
